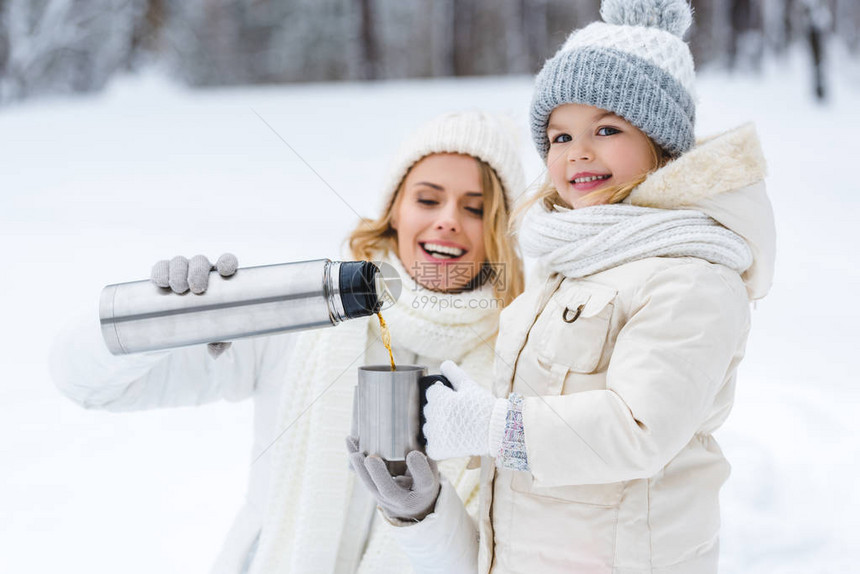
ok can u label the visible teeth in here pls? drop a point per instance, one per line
(590, 178)
(444, 249)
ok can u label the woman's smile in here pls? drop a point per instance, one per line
(442, 251)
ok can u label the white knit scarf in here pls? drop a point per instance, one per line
(581, 242)
(309, 478)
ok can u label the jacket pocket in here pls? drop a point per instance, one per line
(573, 334)
(608, 495)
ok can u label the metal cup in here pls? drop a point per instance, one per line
(387, 410)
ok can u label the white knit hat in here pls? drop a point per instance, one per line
(492, 139)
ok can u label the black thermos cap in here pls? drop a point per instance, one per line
(357, 288)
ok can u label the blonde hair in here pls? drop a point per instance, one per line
(503, 267)
(549, 197)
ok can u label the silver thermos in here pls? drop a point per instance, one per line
(139, 316)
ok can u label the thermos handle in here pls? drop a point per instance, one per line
(425, 383)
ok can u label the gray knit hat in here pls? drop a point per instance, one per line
(634, 64)
(491, 138)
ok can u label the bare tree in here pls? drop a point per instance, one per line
(464, 24)
(746, 44)
(535, 28)
(442, 38)
(63, 45)
(817, 22)
(515, 46)
(77, 45)
(369, 66)
(145, 35)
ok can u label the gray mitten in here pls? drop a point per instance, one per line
(411, 496)
(181, 274)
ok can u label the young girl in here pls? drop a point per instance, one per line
(613, 371)
(444, 229)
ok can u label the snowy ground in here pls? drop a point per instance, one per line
(95, 190)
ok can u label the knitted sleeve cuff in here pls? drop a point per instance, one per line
(497, 426)
(512, 451)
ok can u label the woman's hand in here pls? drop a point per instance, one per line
(411, 496)
(181, 274)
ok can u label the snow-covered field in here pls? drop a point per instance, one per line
(94, 190)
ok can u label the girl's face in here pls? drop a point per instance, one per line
(439, 221)
(592, 149)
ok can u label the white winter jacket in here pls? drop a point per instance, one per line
(620, 404)
(257, 369)
(86, 372)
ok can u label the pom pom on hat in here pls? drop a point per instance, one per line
(674, 16)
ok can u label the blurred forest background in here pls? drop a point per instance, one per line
(71, 46)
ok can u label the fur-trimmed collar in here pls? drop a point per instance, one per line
(726, 162)
(723, 176)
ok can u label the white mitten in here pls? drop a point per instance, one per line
(466, 421)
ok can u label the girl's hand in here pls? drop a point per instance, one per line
(458, 421)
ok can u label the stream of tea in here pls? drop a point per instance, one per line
(386, 339)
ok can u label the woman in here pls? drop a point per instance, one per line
(443, 230)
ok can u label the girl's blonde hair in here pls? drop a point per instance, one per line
(549, 197)
(503, 267)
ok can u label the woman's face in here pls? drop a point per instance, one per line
(591, 149)
(439, 222)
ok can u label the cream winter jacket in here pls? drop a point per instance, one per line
(620, 404)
